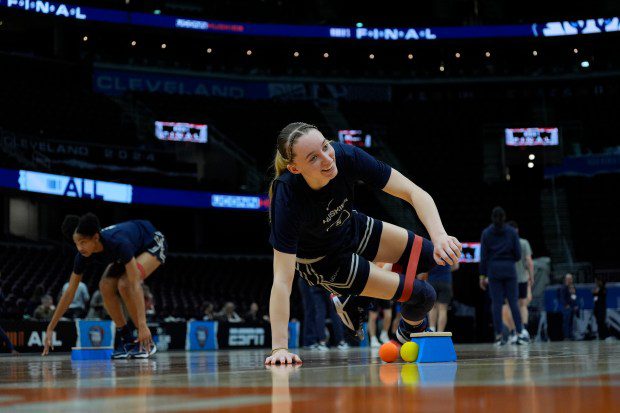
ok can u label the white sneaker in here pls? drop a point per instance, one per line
(322, 347)
(374, 342)
(523, 337)
(513, 338)
(343, 345)
(384, 338)
(525, 334)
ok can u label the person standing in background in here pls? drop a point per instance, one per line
(499, 250)
(525, 280)
(440, 277)
(600, 307)
(377, 306)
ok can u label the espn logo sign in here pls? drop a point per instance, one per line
(246, 336)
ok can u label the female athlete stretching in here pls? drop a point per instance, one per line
(316, 233)
(131, 251)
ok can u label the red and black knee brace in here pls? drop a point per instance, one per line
(417, 296)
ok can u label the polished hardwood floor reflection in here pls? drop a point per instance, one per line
(541, 377)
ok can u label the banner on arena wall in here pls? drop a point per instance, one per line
(95, 333)
(59, 151)
(588, 165)
(201, 335)
(29, 336)
(117, 80)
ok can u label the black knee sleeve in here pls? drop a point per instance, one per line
(421, 301)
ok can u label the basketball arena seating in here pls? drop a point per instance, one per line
(51, 99)
(180, 287)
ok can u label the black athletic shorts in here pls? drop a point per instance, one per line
(346, 273)
(158, 248)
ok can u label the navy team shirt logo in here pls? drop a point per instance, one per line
(340, 213)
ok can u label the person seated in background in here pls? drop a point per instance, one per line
(207, 311)
(97, 310)
(77, 308)
(254, 315)
(35, 299)
(228, 314)
(45, 311)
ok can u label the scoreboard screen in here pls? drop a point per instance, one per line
(532, 137)
(355, 137)
(181, 132)
(471, 252)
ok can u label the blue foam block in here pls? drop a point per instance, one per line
(434, 347)
(91, 353)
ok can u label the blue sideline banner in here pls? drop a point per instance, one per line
(293, 334)
(201, 335)
(95, 333)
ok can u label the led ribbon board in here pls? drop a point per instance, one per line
(74, 187)
(545, 29)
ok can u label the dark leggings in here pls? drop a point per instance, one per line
(502, 288)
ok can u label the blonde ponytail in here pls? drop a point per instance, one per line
(279, 166)
(284, 150)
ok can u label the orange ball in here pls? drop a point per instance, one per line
(388, 352)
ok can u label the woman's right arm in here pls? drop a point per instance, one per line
(63, 304)
(279, 308)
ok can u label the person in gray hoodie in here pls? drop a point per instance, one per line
(499, 250)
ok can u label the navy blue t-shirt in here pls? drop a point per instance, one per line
(500, 249)
(440, 273)
(121, 243)
(314, 223)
